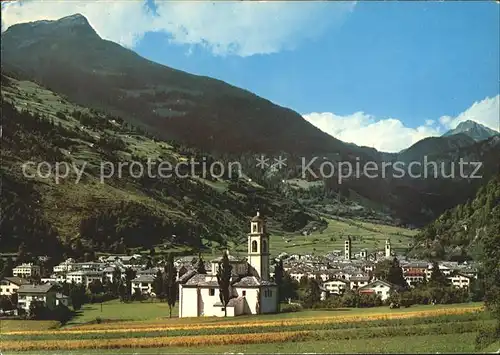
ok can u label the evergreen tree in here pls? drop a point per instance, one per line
(130, 274)
(77, 295)
(437, 277)
(278, 279)
(200, 265)
(170, 282)
(395, 274)
(7, 268)
(1, 268)
(95, 287)
(158, 285)
(381, 271)
(491, 272)
(224, 280)
(313, 294)
(22, 255)
(289, 288)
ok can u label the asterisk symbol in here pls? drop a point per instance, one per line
(262, 162)
(280, 162)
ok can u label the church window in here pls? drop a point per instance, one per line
(264, 246)
(244, 293)
(211, 292)
(254, 246)
(254, 228)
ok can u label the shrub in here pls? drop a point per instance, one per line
(291, 307)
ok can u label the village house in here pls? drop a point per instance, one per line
(26, 270)
(143, 283)
(413, 278)
(84, 277)
(356, 282)
(65, 266)
(10, 285)
(380, 288)
(336, 286)
(30, 293)
(251, 289)
(460, 280)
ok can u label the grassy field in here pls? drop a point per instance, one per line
(364, 235)
(136, 313)
(115, 310)
(420, 329)
(401, 344)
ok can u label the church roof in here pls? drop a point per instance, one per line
(257, 219)
(252, 281)
(231, 258)
(202, 280)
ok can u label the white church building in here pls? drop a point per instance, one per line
(251, 288)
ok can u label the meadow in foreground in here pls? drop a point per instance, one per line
(200, 336)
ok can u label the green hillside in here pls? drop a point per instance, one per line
(459, 232)
(120, 213)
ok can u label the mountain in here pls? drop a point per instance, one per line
(202, 114)
(126, 210)
(67, 56)
(459, 232)
(433, 145)
(474, 130)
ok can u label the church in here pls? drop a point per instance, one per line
(252, 290)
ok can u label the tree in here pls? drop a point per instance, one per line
(95, 287)
(381, 271)
(491, 272)
(77, 295)
(313, 294)
(437, 277)
(22, 255)
(170, 283)
(149, 263)
(129, 276)
(200, 265)
(395, 274)
(289, 288)
(158, 285)
(224, 273)
(37, 310)
(7, 268)
(116, 281)
(278, 279)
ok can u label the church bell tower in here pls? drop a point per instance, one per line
(258, 247)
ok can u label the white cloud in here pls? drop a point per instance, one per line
(391, 135)
(388, 135)
(486, 112)
(239, 28)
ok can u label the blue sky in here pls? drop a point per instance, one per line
(411, 60)
(361, 71)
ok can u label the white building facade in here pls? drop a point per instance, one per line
(26, 270)
(251, 288)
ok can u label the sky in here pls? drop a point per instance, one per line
(378, 74)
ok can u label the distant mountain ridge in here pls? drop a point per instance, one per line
(200, 111)
(475, 130)
(69, 58)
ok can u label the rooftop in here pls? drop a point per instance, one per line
(44, 288)
(17, 280)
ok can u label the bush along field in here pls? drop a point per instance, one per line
(303, 328)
